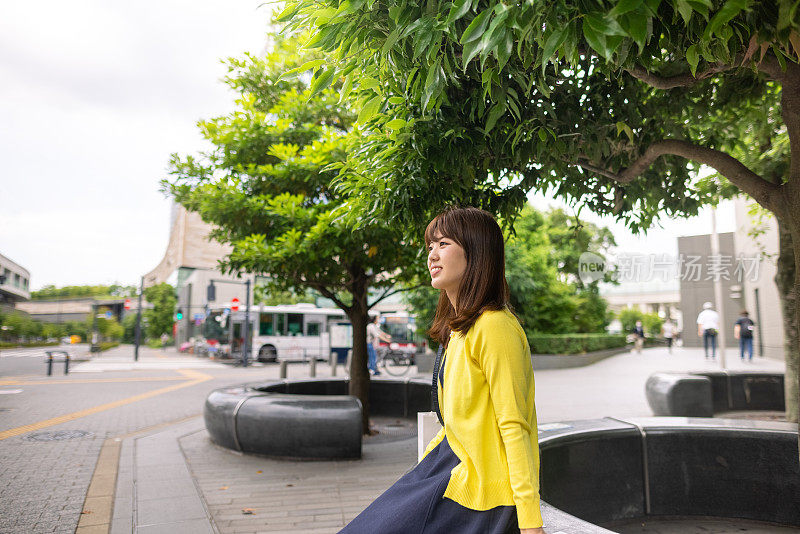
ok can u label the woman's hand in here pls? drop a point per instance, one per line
(539, 530)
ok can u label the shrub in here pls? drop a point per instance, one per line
(574, 343)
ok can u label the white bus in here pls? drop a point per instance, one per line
(292, 331)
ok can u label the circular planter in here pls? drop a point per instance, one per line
(305, 418)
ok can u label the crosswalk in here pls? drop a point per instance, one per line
(30, 353)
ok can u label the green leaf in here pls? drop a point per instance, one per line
(542, 134)
(596, 40)
(390, 40)
(309, 65)
(693, 58)
(396, 100)
(369, 109)
(322, 82)
(459, 9)
(729, 10)
(470, 50)
(622, 127)
(624, 6)
(603, 25)
(685, 9)
(495, 113)
(504, 50)
(432, 82)
(347, 87)
(396, 124)
(289, 12)
(476, 27)
(553, 42)
(636, 26)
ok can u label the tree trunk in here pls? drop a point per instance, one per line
(359, 374)
(785, 280)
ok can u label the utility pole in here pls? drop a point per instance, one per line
(138, 335)
(246, 329)
(718, 290)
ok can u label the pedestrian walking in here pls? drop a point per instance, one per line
(743, 331)
(668, 331)
(638, 339)
(374, 337)
(480, 474)
(708, 327)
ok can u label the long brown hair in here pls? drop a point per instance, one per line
(484, 285)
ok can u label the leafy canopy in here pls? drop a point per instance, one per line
(269, 186)
(480, 101)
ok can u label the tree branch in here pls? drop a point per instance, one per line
(680, 80)
(389, 292)
(768, 65)
(764, 192)
(331, 295)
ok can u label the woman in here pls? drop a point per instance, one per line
(480, 474)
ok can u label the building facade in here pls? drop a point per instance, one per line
(15, 283)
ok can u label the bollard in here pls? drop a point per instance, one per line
(50, 361)
(313, 367)
(284, 364)
(333, 360)
(349, 359)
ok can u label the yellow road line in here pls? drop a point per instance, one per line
(89, 381)
(194, 378)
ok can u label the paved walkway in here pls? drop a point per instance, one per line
(172, 479)
(120, 445)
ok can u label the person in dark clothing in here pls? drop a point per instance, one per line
(638, 332)
(743, 331)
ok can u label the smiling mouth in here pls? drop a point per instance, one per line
(435, 270)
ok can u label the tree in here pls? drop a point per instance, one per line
(270, 188)
(162, 316)
(53, 292)
(613, 105)
(541, 268)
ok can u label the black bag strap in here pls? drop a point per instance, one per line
(435, 385)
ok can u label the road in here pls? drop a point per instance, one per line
(31, 361)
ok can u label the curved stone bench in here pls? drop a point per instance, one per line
(305, 418)
(598, 472)
(702, 394)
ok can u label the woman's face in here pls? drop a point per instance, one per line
(447, 264)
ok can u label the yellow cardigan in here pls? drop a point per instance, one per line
(487, 404)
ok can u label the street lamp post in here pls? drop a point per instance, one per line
(138, 335)
(718, 290)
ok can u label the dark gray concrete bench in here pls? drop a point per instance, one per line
(305, 418)
(608, 470)
(703, 394)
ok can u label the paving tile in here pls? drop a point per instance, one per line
(169, 510)
(180, 527)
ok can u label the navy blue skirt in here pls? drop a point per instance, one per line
(415, 504)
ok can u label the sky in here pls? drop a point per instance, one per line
(96, 95)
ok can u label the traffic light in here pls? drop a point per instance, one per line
(179, 314)
(211, 292)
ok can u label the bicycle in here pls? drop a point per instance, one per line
(395, 361)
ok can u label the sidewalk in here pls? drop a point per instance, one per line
(174, 480)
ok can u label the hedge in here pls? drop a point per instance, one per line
(574, 343)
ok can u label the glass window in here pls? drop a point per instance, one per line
(280, 324)
(294, 324)
(265, 325)
(313, 329)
